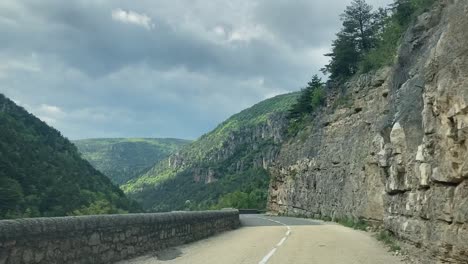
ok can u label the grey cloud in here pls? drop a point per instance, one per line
(86, 38)
(178, 78)
(305, 23)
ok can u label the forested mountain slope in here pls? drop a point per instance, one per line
(42, 173)
(225, 167)
(122, 159)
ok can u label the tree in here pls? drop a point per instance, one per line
(358, 36)
(11, 193)
(344, 58)
(237, 199)
(311, 97)
(358, 23)
(403, 11)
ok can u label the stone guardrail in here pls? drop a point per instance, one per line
(105, 238)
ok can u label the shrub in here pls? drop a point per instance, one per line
(388, 239)
(351, 223)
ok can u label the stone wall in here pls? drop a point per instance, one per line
(394, 151)
(107, 238)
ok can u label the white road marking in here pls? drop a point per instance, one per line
(272, 252)
(267, 257)
(281, 242)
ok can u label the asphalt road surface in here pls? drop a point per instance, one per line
(278, 240)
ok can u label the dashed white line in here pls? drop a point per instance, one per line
(272, 252)
(281, 242)
(267, 257)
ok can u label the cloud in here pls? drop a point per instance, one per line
(157, 68)
(25, 65)
(131, 17)
(220, 31)
(49, 113)
(247, 34)
(51, 110)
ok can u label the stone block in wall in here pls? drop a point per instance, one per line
(464, 169)
(397, 180)
(420, 154)
(460, 203)
(94, 239)
(424, 196)
(410, 204)
(3, 255)
(413, 230)
(460, 249)
(446, 174)
(398, 139)
(423, 172)
(444, 241)
(384, 155)
(461, 121)
(429, 121)
(440, 203)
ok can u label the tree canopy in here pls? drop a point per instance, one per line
(369, 39)
(311, 97)
(42, 173)
(359, 34)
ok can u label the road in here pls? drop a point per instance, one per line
(278, 240)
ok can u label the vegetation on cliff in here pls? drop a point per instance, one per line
(122, 159)
(311, 98)
(42, 173)
(369, 39)
(222, 168)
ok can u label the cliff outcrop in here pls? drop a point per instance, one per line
(393, 150)
(230, 159)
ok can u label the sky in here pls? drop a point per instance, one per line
(158, 68)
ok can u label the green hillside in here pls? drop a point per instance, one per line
(123, 159)
(42, 173)
(222, 167)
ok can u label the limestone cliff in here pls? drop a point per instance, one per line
(395, 152)
(231, 158)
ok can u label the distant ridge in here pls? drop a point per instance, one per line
(42, 173)
(122, 159)
(223, 168)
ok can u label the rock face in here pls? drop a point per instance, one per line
(122, 159)
(233, 157)
(334, 167)
(396, 152)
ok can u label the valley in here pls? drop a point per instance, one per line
(122, 159)
(376, 142)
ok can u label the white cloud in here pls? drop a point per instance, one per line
(49, 120)
(131, 17)
(51, 110)
(220, 31)
(22, 65)
(246, 34)
(274, 93)
(49, 113)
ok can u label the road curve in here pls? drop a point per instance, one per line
(278, 240)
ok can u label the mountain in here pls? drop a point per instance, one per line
(226, 167)
(42, 173)
(122, 159)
